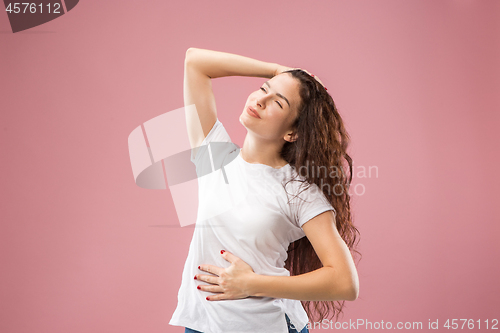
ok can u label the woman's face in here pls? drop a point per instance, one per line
(276, 102)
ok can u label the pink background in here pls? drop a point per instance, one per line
(84, 249)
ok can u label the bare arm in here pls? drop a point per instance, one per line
(336, 280)
(200, 66)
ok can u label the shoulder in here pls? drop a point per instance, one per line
(297, 184)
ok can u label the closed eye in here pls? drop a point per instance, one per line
(264, 90)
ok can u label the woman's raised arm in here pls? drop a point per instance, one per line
(200, 66)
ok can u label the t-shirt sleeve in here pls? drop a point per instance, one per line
(217, 134)
(310, 203)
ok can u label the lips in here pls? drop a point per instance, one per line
(253, 112)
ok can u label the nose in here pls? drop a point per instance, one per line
(261, 102)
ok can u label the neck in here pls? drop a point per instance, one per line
(259, 151)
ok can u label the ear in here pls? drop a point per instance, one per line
(291, 137)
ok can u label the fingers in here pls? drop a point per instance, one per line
(314, 76)
(229, 256)
(317, 79)
(214, 287)
(207, 278)
(306, 71)
(219, 297)
(223, 296)
(211, 269)
(210, 288)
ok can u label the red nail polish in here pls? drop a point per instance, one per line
(199, 267)
(198, 287)
(208, 299)
(195, 277)
(222, 251)
(326, 89)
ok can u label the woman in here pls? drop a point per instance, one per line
(249, 265)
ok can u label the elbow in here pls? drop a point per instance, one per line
(347, 293)
(347, 290)
(190, 54)
(352, 293)
(190, 51)
(353, 288)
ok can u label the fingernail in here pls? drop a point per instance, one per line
(198, 287)
(195, 277)
(199, 267)
(222, 251)
(208, 299)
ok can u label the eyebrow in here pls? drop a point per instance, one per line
(279, 95)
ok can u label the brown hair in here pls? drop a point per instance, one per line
(322, 141)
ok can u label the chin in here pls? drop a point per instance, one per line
(244, 119)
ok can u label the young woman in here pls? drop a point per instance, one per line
(274, 225)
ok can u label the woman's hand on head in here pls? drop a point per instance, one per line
(280, 69)
(230, 283)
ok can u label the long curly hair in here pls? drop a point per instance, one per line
(322, 142)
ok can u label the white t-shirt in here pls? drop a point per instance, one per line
(244, 209)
